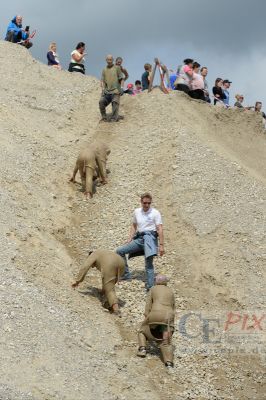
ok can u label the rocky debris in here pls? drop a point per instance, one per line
(61, 343)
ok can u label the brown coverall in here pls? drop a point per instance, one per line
(102, 152)
(87, 161)
(159, 313)
(111, 266)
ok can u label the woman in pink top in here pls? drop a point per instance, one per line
(197, 83)
(184, 76)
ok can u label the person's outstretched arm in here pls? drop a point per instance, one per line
(84, 270)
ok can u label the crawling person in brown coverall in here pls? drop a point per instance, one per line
(111, 266)
(91, 162)
(158, 325)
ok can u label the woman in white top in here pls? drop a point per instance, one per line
(77, 59)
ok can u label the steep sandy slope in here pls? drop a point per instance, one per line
(206, 170)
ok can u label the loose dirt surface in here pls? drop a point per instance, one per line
(205, 167)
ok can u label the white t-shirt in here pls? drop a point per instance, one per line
(147, 221)
(74, 61)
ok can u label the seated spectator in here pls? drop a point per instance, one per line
(77, 59)
(172, 79)
(130, 89)
(52, 57)
(218, 93)
(138, 88)
(258, 106)
(184, 78)
(204, 73)
(226, 86)
(197, 83)
(145, 79)
(239, 100)
(16, 34)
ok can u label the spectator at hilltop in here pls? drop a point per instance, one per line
(118, 62)
(138, 88)
(130, 89)
(185, 74)
(145, 79)
(197, 83)
(204, 73)
(172, 79)
(52, 56)
(226, 86)
(16, 34)
(258, 107)
(218, 92)
(77, 59)
(239, 100)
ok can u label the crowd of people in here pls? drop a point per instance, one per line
(189, 77)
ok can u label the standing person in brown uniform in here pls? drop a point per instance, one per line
(111, 267)
(87, 162)
(112, 81)
(159, 322)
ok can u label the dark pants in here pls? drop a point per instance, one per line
(182, 88)
(105, 100)
(13, 37)
(197, 94)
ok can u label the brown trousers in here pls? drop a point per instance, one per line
(165, 345)
(86, 175)
(109, 292)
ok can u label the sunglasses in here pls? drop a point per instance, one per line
(146, 202)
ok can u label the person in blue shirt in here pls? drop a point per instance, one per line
(172, 79)
(16, 34)
(226, 86)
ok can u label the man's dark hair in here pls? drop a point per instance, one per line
(137, 82)
(196, 64)
(188, 61)
(118, 58)
(146, 194)
(202, 68)
(79, 45)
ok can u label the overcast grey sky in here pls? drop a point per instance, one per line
(228, 36)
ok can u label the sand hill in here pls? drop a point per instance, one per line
(205, 167)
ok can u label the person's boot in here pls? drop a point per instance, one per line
(169, 364)
(142, 352)
(115, 310)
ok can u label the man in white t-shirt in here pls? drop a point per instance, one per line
(143, 239)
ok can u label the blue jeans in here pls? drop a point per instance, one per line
(133, 247)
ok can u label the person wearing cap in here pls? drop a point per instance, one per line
(143, 239)
(111, 267)
(158, 325)
(130, 89)
(226, 86)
